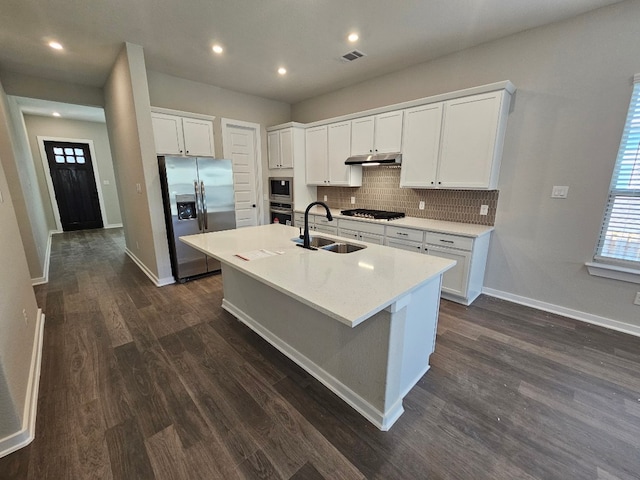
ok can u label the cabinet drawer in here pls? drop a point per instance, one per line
(368, 227)
(405, 234)
(451, 241)
(347, 233)
(404, 244)
(298, 219)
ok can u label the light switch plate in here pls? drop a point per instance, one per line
(484, 209)
(421, 205)
(559, 191)
(325, 198)
(353, 200)
(637, 300)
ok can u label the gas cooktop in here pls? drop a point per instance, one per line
(374, 214)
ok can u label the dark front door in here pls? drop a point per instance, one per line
(74, 185)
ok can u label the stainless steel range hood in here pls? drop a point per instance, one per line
(375, 159)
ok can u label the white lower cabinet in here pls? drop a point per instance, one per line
(404, 244)
(455, 280)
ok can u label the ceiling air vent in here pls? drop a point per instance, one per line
(351, 56)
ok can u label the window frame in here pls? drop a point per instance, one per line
(612, 266)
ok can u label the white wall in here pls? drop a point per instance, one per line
(128, 114)
(574, 85)
(16, 296)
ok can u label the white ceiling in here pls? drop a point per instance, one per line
(45, 108)
(308, 37)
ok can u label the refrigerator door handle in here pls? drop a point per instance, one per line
(198, 210)
(203, 197)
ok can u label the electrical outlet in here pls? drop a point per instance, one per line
(421, 205)
(637, 300)
(353, 200)
(325, 198)
(138, 188)
(137, 246)
(484, 209)
(559, 191)
(26, 317)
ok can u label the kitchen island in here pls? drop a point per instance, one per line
(362, 323)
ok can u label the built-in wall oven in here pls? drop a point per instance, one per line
(281, 200)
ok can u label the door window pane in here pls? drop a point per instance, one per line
(71, 159)
(59, 158)
(57, 150)
(68, 151)
(80, 159)
(79, 151)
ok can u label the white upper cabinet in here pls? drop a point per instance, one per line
(327, 148)
(421, 145)
(377, 134)
(280, 143)
(317, 155)
(176, 135)
(455, 144)
(471, 142)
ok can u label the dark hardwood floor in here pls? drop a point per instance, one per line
(140, 382)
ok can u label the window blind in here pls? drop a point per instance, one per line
(619, 241)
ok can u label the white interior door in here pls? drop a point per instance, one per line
(240, 145)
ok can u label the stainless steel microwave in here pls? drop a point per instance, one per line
(281, 189)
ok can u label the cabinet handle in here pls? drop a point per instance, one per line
(187, 151)
(402, 234)
(439, 183)
(447, 241)
(432, 183)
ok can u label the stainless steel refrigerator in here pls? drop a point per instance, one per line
(198, 198)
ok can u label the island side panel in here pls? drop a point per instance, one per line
(351, 361)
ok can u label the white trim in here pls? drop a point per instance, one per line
(565, 312)
(226, 123)
(113, 225)
(180, 113)
(382, 420)
(47, 260)
(47, 174)
(505, 85)
(27, 433)
(158, 282)
(615, 272)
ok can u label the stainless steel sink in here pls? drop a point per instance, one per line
(316, 241)
(343, 247)
(321, 241)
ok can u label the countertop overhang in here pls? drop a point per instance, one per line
(347, 287)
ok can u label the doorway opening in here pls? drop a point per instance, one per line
(73, 180)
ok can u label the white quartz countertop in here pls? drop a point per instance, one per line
(440, 226)
(348, 287)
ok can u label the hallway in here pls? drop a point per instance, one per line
(140, 382)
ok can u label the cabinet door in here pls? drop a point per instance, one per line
(388, 132)
(421, 146)
(286, 148)
(273, 145)
(470, 129)
(362, 130)
(167, 132)
(316, 155)
(456, 279)
(198, 137)
(339, 149)
(331, 230)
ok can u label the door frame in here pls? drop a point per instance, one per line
(47, 176)
(226, 147)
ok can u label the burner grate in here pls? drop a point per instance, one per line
(374, 214)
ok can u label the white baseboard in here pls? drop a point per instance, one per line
(382, 420)
(158, 282)
(565, 312)
(47, 260)
(27, 433)
(113, 225)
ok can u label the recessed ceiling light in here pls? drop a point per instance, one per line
(282, 70)
(55, 45)
(217, 48)
(353, 37)
(55, 114)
